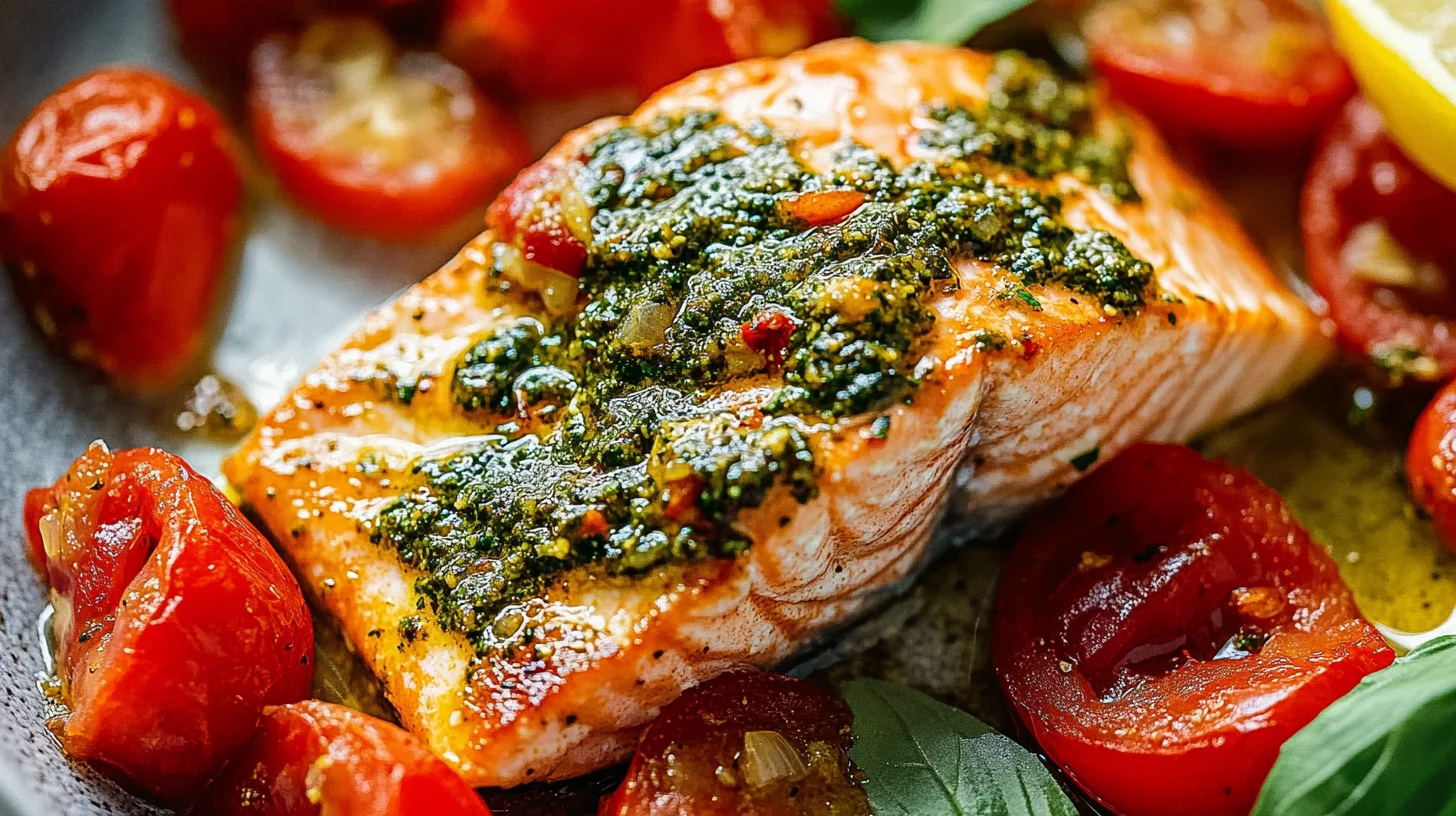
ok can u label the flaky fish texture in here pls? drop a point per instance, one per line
(990, 433)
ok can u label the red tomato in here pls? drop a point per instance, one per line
(1380, 248)
(562, 49)
(223, 32)
(396, 145)
(314, 758)
(743, 742)
(1167, 626)
(118, 206)
(1430, 463)
(176, 622)
(1250, 73)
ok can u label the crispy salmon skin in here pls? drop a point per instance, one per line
(1020, 384)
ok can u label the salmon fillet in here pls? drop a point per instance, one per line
(1022, 384)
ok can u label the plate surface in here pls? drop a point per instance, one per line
(298, 290)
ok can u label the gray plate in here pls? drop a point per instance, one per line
(299, 289)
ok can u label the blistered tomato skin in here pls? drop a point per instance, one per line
(392, 144)
(744, 742)
(1430, 463)
(1379, 248)
(559, 49)
(119, 200)
(1163, 629)
(1247, 73)
(318, 759)
(175, 621)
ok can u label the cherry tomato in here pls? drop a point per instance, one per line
(395, 145)
(118, 207)
(1430, 463)
(743, 742)
(1249, 73)
(562, 49)
(1380, 248)
(316, 759)
(1167, 626)
(222, 33)
(175, 621)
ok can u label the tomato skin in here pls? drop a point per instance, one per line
(560, 49)
(675, 771)
(1430, 463)
(119, 200)
(365, 190)
(350, 762)
(1359, 176)
(1164, 628)
(176, 622)
(1211, 88)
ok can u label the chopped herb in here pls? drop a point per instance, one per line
(1085, 460)
(600, 448)
(1028, 298)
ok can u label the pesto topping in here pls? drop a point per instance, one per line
(715, 255)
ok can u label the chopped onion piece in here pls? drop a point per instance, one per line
(557, 290)
(646, 324)
(769, 757)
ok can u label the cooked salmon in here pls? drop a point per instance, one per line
(1014, 380)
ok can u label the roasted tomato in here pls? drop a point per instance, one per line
(118, 206)
(1380, 248)
(1430, 463)
(395, 145)
(175, 621)
(1167, 626)
(744, 742)
(317, 759)
(1249, 73)
(561, 49)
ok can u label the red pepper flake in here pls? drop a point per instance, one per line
(682, 501)
(768, 334)
(822, 208)
(593, 523)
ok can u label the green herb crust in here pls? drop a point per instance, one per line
(695, 238)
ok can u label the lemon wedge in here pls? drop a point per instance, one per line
(1403, 52)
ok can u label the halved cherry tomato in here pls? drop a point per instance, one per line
(391, 144)
(175, 621)
(119, 202)
(744, 742)
(318, 759)
(1166, 626)
(1249, 73)
(1380, 248)
(562, 49)
(1430, 463)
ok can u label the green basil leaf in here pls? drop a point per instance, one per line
(921, 758)
(949, 22)
(1384, 748)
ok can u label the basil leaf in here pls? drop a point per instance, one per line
(949, 22)
(921, 758)
(1384, 748)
